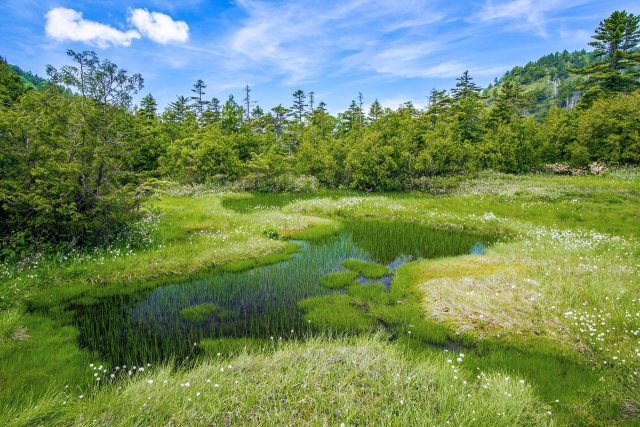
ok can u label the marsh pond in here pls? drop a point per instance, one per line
(270, 302)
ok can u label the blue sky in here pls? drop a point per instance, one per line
(394, 51)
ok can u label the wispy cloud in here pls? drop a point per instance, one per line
(300, 40)
(525, 14)
(68, 25)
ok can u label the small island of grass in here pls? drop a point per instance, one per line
(368, 269)
(201, 312)
(339, 280)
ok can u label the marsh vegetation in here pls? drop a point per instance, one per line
(412, 286)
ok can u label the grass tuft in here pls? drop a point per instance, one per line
(202, 312)
(339, 280)
(370, 270)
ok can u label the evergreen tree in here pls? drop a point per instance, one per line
(312, 98)
(148, 107)
(618, 68)
(299, 105)
(467, 109)
(232, 115)
(510, 104)
(375, 111)
(11, 87)
(280, 115)
(247, 103)
(176, 111)
(199, 103)
(465, 87)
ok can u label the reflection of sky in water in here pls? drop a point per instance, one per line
(478, 249)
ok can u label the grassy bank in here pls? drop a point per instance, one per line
(554, 305)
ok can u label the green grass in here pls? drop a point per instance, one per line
(202, 312)
(10, 326)
(526, 310)
(359, 381)
(339, 280)
(370, 270)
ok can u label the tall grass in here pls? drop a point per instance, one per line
(360, 381)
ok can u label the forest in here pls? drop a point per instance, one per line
(215, 262)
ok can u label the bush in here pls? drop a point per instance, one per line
(286, 183)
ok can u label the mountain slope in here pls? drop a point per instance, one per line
(547, 81)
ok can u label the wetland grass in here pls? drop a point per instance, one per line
(339, 280)
(370, 270)
(202, 312)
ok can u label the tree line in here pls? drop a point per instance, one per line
(75, 153)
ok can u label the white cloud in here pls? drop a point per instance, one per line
(67, 24)
(159, 27)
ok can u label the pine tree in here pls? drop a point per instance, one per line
(614, 45)
(299, 105)
(199, 103)
(375, 111)
(247, 103)
(312, 98)
(148, 107)
(232, 115)
(510, 104)
(280, 115)
(465, 87)
(177, 110)
(467, 108)
(257, 112)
